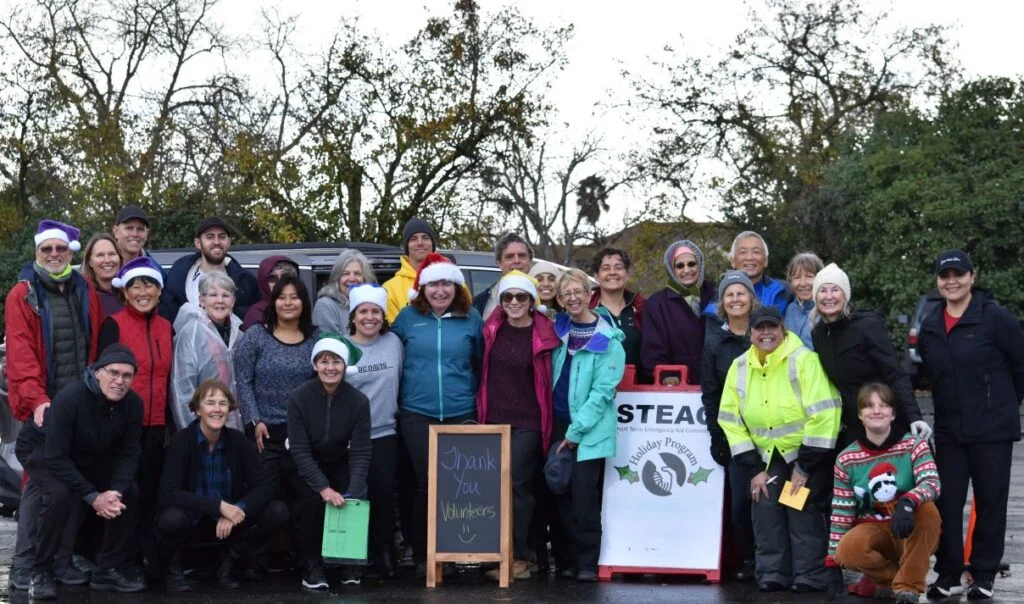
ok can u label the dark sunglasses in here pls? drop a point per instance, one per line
(49, 249)
(520, 298)
(690, 264)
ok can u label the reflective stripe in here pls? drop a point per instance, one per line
(741, 448)
(794, 378)
(780, 431)
(817, 441)
(741, 381)
(824, 405)
(789, 457)
(725, 416)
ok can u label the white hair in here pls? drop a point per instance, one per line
(744, 235)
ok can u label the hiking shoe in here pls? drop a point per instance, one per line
(42, 586)
(69, 575)
(112, 579)
(520, 571)
(905, 597)
(944, 587)
(19, 579)
(980, 590)
(314, 576)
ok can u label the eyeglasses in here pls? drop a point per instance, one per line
(690, 264)
(521, 297)
(123, 376)
(576, 293)
(51, 249)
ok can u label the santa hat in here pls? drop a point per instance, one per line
(338, 345)
(435, 267)
(143, 266)
(359, 293)
(881, 470)
(51, 229)
(520, 280)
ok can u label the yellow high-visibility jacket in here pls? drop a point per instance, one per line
(777, 406)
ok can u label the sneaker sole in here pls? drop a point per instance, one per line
(352, 582)
(115, 588)
(73, 582)
(939, 594)
(977, 593)
(314, 586)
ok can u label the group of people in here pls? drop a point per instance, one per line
(204, 404)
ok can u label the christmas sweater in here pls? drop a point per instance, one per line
(868, 482)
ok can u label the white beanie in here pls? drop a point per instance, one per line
(519, 280)
(834, 275)
(367, 292)
(543, 266)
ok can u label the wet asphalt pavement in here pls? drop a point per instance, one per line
(472, 588)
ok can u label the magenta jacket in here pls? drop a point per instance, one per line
(544, 341)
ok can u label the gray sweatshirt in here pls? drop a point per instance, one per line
(331, 314)
(380, 373)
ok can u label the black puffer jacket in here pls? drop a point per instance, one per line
(856, 351)
(976, 371)
(721, 347)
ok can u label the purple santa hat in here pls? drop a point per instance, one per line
(143, 266)
(51, 229)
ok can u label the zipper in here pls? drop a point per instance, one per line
(327, 430)
(440, 383)
(152, 368)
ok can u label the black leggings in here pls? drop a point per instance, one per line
(380, 484)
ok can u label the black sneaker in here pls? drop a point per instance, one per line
(980, 590)
(745, 572)
(19, 579)
(112, 579)
(945, 586)
(42, 586)
(69, 575)
(771, 586)
(314, 576)
(350, 575)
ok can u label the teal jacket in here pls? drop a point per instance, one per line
(442, 362)
(596, 371)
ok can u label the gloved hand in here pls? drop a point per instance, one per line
(903, 519)
(921, 429)
(720, 450)
(836, 585)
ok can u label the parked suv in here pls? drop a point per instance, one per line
(316, 259)
(911, 357)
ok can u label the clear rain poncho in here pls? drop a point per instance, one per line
(200, 354)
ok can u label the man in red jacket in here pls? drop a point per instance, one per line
(48, 335)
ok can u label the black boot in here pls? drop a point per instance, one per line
(226, 570)
(174, 577)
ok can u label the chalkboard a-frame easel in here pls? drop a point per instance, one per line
(469, 498)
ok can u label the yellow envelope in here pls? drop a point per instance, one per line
(794, 501)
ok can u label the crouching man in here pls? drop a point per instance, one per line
(213, 489)
(91, 453)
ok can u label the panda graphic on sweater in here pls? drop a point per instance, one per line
(882, 491)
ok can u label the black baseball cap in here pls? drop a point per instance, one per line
(955, 259)
(131, 213)
(766, 314)
(213, 221)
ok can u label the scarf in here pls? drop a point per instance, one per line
(690, 294)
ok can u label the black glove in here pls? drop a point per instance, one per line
(903, 519)
(720, 450)
(835, 584)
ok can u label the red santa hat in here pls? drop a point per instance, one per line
(880, 470)
(434, 268)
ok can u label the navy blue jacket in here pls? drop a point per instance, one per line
(976, 371)
(173, 297)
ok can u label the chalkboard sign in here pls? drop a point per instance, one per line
(469, 498)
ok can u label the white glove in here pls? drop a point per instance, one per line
(921, 429)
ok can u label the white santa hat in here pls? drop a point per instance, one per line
(519, 280)
(359, 293)
(434, 268)
(51, 229)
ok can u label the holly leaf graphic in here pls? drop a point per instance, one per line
(701, 475)
(627, 473)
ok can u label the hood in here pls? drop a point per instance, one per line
(781, 354)
(671, 251)
(263, 273)
(190, 313)
(406, 270)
